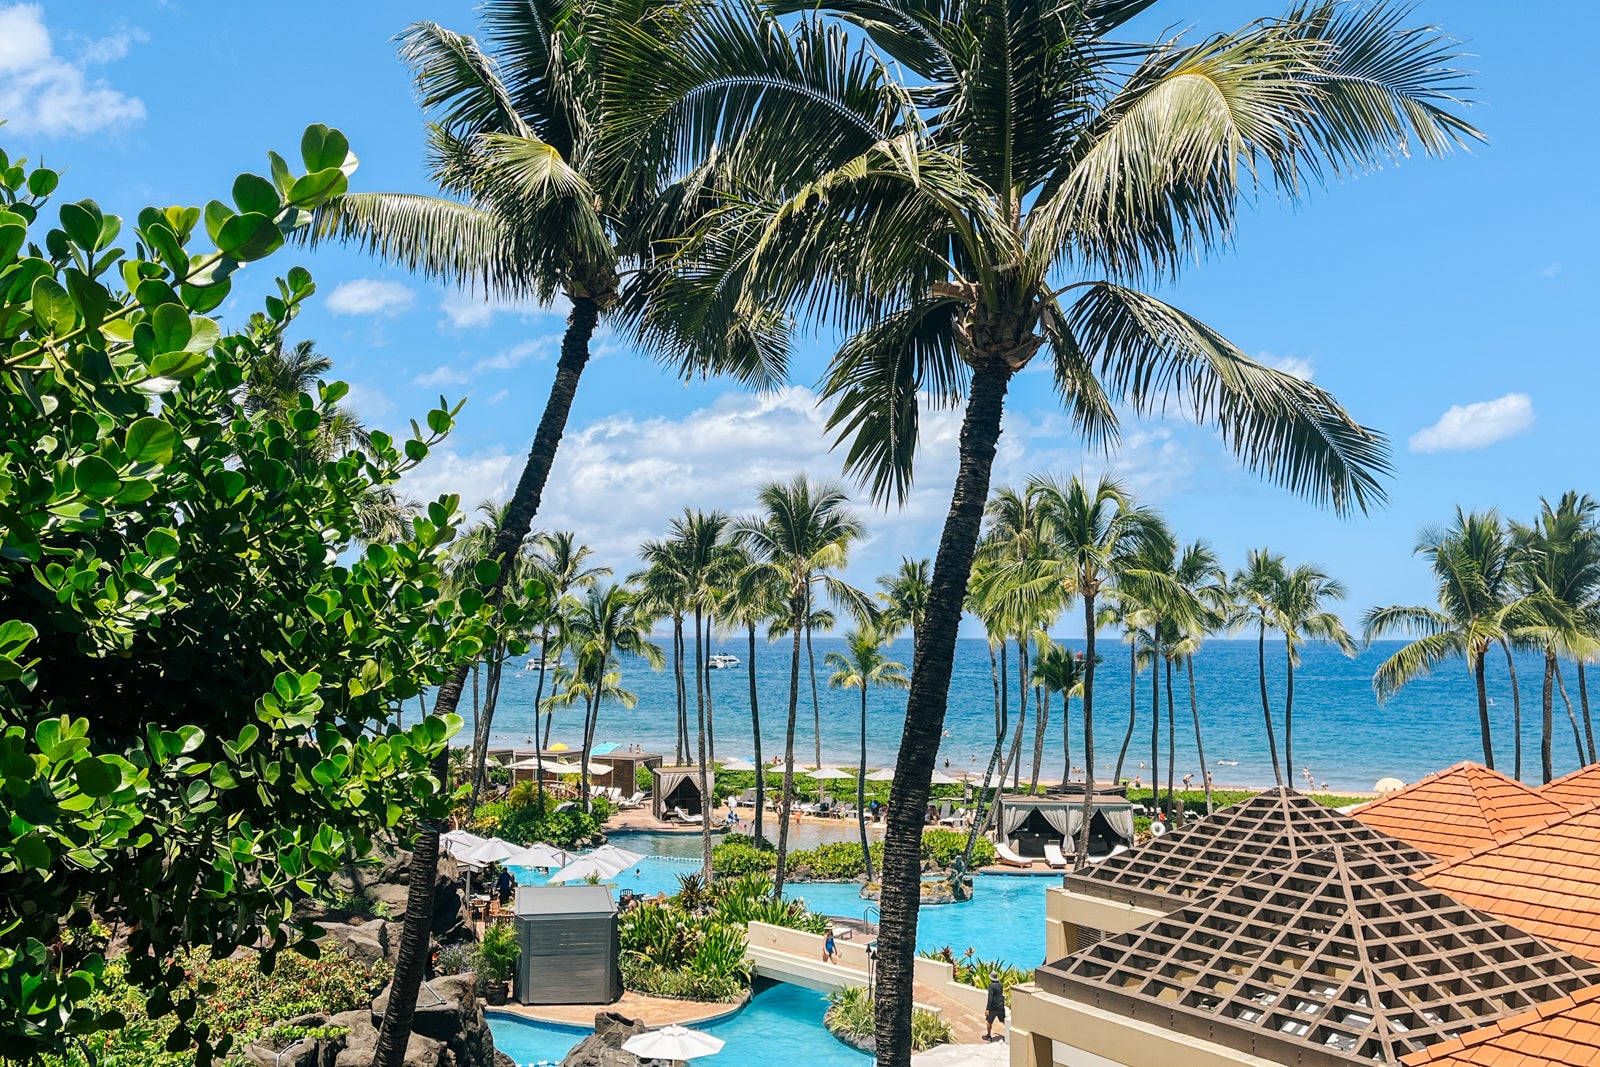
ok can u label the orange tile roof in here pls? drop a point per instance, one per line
(1558, 1033)
(1459, 810)
(1546, 881)
(1580, 789)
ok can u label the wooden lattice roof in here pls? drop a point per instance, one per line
(1335, 958)
(1459, 810)
(1267, 831)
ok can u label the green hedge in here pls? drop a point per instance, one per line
(728, 783)
(1194, 800)
(526, 817)
(841, 860)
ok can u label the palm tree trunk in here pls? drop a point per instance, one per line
(700, 709)
(1155, 715)
(538, 697)
(994, 679)
(711, 704)
(1545, 754)
(491, 699)
(932, 661)
(1288, 705)
(980, 814)
(1199, 746)
(861, 786)
(682, 689)
(1483, 707)
(1041, 723)
(796, 604)
(1266, 709)
(1022, 705)
(1577, 738)
(1088, 727)
(591, 717)
(1583, 698)
(1133, 711)
(816, 705)
(755, 739)
(518, 521)
(1172, 744)
(1516, 712)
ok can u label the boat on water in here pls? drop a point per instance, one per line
(536, 663)
(722, 660)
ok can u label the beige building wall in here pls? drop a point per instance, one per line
(1047, 1030)
(1066, 911)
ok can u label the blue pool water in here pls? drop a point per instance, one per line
(1004, 920)
(782, 1024)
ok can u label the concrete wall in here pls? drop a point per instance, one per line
(1047, 1029)
(1065, 911)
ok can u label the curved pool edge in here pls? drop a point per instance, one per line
(524, 1013)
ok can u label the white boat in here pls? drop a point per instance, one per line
(536, 663)
(722, 660)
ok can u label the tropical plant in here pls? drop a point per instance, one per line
(187, 575)
(1302, 617)
(1471, 562)
(498, 953)
(905, 597)
(1251, 602)
(803, 533)
(754, 596)
(850, 1015)
(862, 666)
(1058, 669)
(607, 622)
(1204, 580)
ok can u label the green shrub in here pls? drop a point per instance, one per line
(738, 855)
(525, 817)
(943, 847)
(850, 1015)
(836, 861)
(973, 970)
(498, 952)
(283, 1034)
(1194, 800)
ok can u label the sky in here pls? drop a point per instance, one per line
(1440, 300)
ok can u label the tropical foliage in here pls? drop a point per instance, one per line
(850, 1015)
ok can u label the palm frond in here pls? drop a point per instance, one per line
(457, 82)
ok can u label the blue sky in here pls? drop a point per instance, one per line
(1441, 301)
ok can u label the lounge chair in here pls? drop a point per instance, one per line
(685, 817)
(1008, 857)
(954, 818)
(1053, 856)
(635, 801)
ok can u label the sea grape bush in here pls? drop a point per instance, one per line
(199, 663)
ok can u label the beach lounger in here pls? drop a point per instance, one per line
(1008, 857)
(1053, 856)
(631, 802)
(685, 817)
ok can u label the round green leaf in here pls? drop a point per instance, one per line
(95, 478)
(95, 778)
(52, 307)
(172, 329)
(486, 571)
(43, 182)
(150, 441)
(254, 193)
(249, 236)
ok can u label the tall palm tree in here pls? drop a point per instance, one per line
(609, 621)
(905, 596)
(1058, 669)
(1000, 218)
(802, 533)
(1202, 576)
(1472, 568)
(862, 665)
(1127, 619)
(665, 588)
(531, 208)
(1252, 592)
(1302, 616)
(754, 597)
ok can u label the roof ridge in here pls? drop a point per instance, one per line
(1516, 838)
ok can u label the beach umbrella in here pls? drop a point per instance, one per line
(940, 778)
(540, 855)
(828, 774)
(527, 765)
(460, 841)
(1388, 785)
(739, 765)
(672, 1043)
(559, 746)
(494, 850)
(885, 775)
(562, 768)
(963, 1055)
(612, 856)
(582, 870)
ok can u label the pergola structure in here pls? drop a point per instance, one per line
(1028, 821)
(1268, 831)
(679, 787)
(1336, 957)
(624, 766)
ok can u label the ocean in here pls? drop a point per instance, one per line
(1342, 735)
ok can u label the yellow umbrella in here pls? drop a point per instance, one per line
(559, 746)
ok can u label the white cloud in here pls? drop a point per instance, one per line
(440, 376)
(499, 395)
(1469, 426)
(369, 296)
(466, 310)
(42, 92)
(1550, 270)
(521, 352)
(1294, 366)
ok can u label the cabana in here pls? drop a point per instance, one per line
(624, 768)
(1030, 822)
(678, 787)
(570, 947)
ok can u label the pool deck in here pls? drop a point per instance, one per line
(652, 1011)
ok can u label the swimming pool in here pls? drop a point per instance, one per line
(1004, 920)
(781, 1024)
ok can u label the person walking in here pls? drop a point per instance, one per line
(994, 1011)
(828, 947)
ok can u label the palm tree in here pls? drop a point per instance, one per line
(1092, 531)
(1472, 568)
(753, 597)
(1126, 617)
(861, 666)
(803, 532)
(1252, 593)
(1057, 669)
(905, 596)
(609, 620)
(969, 238)
(534, 208)
(1302, 617)
(1203, 577)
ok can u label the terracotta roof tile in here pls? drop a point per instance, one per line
(1558, 1033)
(1460, 810)
(1580, 789)
(1545, 881)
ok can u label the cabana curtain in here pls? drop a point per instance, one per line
(1120, 819)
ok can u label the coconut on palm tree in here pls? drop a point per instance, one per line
(862, 666)
(1471, 562)
(802, 534)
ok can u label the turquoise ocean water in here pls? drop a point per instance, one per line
(1341, 733)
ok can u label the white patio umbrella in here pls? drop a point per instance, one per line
(672, 1043)
(583, 869)
(828, 774)
(963, 1055)
(457, 841)
(562, 768)
(611, 855)
(1388, 785)
(885, 775)
(739, 765)
(940, 778)
(494, 850)
(540, 855)
(528, 765)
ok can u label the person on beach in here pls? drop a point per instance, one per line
(994, 1010)
(828, 947)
